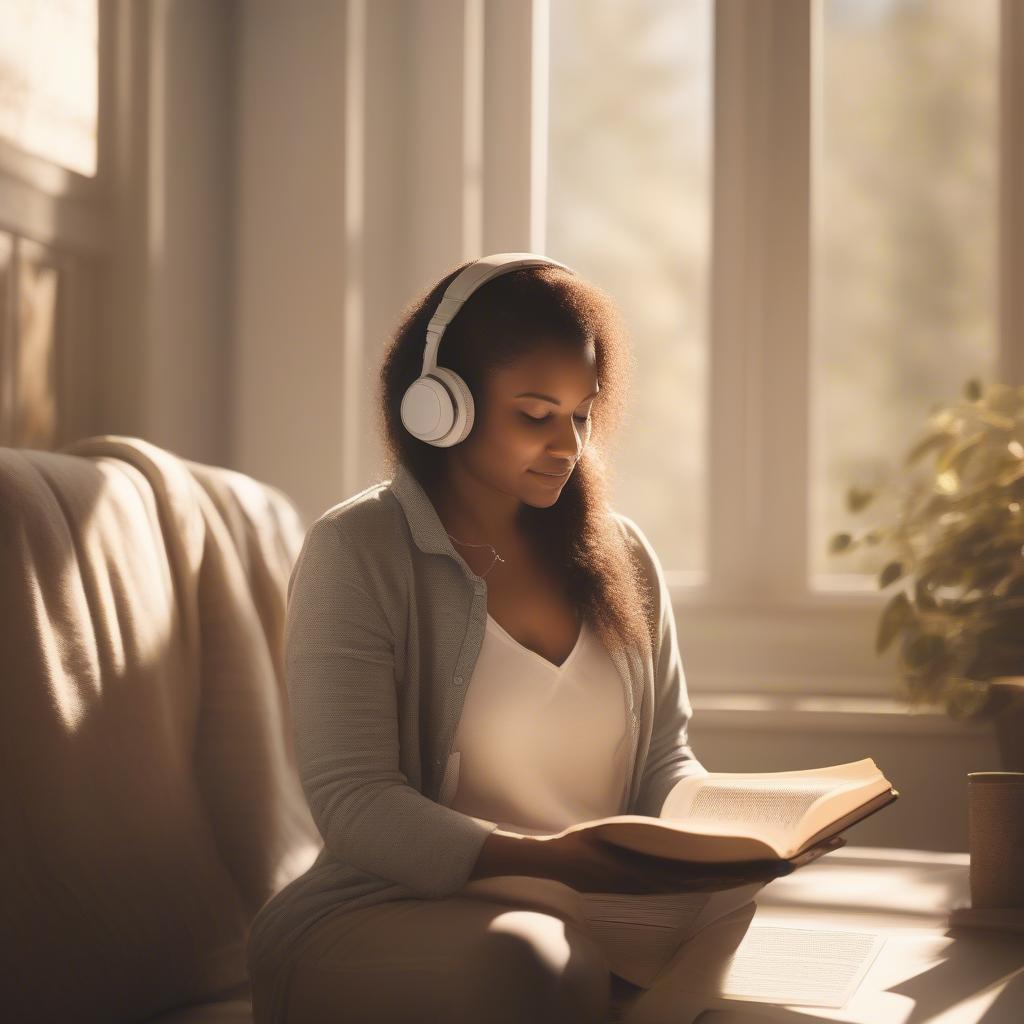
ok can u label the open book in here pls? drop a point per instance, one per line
(720, 817)
(725, 817)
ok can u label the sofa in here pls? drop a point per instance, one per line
(151, 803)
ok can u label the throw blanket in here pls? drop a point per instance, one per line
(149, 803)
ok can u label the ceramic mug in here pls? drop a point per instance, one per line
(995, 805)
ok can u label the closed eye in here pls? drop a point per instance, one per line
(544, 419)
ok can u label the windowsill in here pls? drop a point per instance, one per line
(854, 592)
(789, 712)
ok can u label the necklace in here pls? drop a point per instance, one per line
(497, 557)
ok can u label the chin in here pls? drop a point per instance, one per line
(542, 494)
(543, 501)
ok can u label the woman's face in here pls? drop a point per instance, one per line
(532, 426)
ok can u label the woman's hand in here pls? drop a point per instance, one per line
(589, 864)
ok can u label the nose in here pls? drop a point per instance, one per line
(568, 441)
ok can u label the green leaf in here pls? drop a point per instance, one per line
(956, 455)
(858, 498)
(997, 420)
(984, 575)
(948, 574)
(925, 445)
(1012, 583)
(924, 650)
(923, 596)
(896, 614)
(1010, 475)
(840, 542)
(945, 419)
(892, 572)
(966, 698)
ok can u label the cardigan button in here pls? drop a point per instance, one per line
(457, 680)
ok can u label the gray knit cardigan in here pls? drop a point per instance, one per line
(384, 624)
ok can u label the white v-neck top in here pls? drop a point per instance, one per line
(540, 746)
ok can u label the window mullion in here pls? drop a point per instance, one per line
(760, 333)
(446, 202)
(788, 286)
(515, 126)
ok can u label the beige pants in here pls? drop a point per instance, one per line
(501, 951)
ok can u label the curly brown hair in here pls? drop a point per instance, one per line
(498, 324)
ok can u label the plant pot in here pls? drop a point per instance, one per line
(1007, 705)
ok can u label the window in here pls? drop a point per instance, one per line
(628, 206)
(906, 247)
(49, 80)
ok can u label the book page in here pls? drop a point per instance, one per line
(772, 805)
(862, 771)
(639, 933)
(779, 805)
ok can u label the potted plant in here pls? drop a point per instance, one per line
(957, 565)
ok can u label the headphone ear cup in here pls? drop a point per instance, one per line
(464, 408)
(428, 412)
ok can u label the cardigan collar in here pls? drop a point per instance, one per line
(425, 524)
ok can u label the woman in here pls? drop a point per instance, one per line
(478, 650)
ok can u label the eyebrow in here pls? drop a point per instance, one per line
(549, 398)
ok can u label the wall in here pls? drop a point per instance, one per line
(165, 326)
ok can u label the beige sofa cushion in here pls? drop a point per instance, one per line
(149, 803)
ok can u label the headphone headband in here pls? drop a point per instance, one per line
(465, 283)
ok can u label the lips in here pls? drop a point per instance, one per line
(557, 475)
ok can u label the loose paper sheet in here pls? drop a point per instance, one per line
(732, 963)
(800, 966)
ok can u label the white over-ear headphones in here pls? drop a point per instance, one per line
(438, 406)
